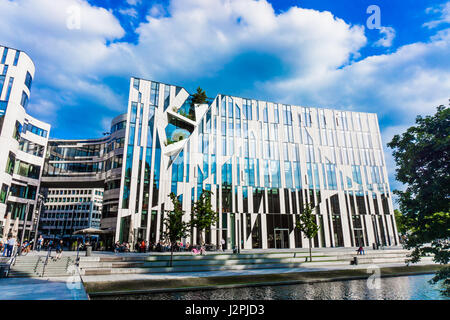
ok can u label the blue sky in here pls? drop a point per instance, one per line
(317, 53)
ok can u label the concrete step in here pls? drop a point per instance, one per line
(163, 263)
(190, 256)
(34, 267)
(158, 261)
(98, 271)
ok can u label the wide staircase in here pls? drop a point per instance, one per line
(186, 262)
(35, 266)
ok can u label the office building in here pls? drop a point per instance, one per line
(23, 140)
(263, 161)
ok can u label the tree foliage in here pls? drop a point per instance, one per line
(203, 216)
(306, 223)
(199, 97)
(422, 156)
(400, 221)
(175, 227)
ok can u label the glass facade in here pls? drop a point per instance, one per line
(263, 161)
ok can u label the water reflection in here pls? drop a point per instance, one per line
(394, 288)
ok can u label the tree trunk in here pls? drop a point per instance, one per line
(310, 254)
(171, 255)
(201, 237)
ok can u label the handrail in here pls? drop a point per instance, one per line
(77, 261)
(12, 262)
(46, 261)
(37, 264)
(69, 260)
(14, 258)
(77, 269)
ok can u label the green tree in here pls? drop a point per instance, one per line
(199, 97)
(306, 223)
(175, 227)
(422, 156)
(203, 216)
(400, 221)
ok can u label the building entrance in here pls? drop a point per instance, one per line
(281, 238)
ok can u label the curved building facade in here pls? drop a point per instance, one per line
(263, 162)
(76, 173)
(23, 140)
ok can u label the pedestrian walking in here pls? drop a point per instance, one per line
(39, 243)
(59, 250)
(11, 244)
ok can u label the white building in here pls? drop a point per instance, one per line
(263, 161)
(67, 210)
(23, 140)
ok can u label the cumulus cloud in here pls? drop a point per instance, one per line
(412, 80)
(63, 56)
(202, 36)
(298, 56)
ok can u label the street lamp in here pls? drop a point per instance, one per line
(38, 216)
(24, 225)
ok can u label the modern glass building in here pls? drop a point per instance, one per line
(262, 161)
(23, 140)
(81, 182)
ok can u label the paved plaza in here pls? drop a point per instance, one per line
(65, 288)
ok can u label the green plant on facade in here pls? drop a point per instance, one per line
(306, 223)
(199, 97)
(190, 116)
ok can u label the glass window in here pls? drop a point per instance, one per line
(3, 193)
(288, 174)
(154, 93)
(17, 131)
(276, 116)
(247, 109)
(265, 113)
(166, 96)
(136, 83)
(24, 101)
(28, 81)
(230, 108)
(8, 92)
(16, 58)
(287, 115)
(5, 53)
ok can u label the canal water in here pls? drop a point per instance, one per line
(414, 287)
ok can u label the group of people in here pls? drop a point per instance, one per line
(7, 247)
(143, 246)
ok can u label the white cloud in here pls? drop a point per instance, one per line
(444, 15)
(196, 39)
(388, 37)
(412, 80)
(200, 36)
(129, 12)
(134, 2)
(70, 64)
